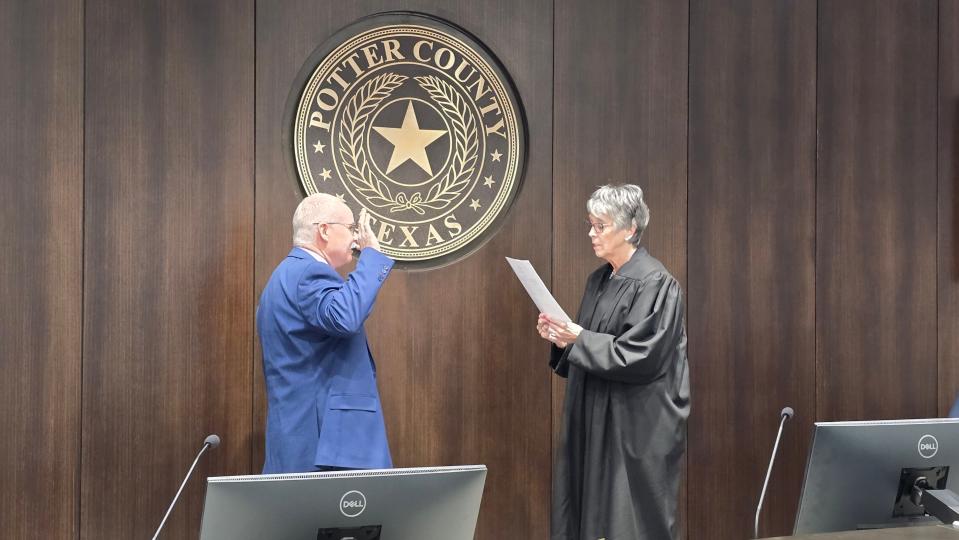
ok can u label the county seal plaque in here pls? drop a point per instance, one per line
(411, 118)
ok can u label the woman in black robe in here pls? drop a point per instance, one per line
(617, 471)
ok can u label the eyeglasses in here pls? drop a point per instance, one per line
(598, 226)
(353, 227)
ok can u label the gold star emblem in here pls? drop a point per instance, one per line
(409, 141)
(489, 181)
(475, 205)
(318, 147)
(495, 155)
(340, 197)
(325, 174)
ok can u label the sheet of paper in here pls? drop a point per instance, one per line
(537, 289)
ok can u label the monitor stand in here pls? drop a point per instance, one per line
(922, 492)
(366, 532)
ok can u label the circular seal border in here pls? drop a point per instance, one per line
(493, 221)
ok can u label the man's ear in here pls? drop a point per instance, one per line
(322, 234)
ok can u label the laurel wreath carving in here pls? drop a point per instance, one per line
(356, 165)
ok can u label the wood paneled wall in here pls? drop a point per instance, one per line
(168, 258)
(876, 210)
(800, 159)
(41, 291)
(947, 231)
(751, 318)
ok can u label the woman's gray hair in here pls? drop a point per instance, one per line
(317, 208)
(624, 205)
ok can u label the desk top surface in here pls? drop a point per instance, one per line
(934, 532)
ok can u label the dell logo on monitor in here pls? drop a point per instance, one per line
(352, 503)
(928, 446)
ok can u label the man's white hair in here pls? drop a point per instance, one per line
(624, 205)
(317, 208)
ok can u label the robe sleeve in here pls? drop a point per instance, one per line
(557, 355)
(557, 360)
(652, 332)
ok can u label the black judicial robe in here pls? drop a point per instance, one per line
(617, 468)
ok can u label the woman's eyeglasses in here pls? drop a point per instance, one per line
(598, 226)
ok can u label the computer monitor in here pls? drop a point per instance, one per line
(436, 503)
(866, 475)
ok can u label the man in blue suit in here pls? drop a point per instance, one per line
(324, 407)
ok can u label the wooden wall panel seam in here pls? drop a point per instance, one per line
(83, 278)
(937, 282)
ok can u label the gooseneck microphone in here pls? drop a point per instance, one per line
(211, 441)
(784, 415)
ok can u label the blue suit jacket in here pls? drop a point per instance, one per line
(324, 408)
